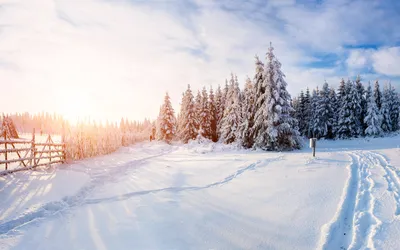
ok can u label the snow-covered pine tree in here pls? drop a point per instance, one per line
(231, 89)
(333, 117)
(361, 113)
(188, 126)
(394, 107)
(307, 114)
(259, 126)
(282, 131)
(347, 116)
(219, 107)
(197, 107)
(373, 118)
(356, 102)
(205, 119)
(385, 110)
(166, 121)
(232, 116)
(313, 122)
(299, 114)
(224, 94)
(245, 130)
(213, 116)
(377, 95)
(323, 112)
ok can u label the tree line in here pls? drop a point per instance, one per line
(260, 116)
(263, 114)
(351, 111)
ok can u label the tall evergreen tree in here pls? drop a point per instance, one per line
(373, 118)
(299, 114)
(312, 123)
(166, 121)
(259, 99)
(347, 122)
(197, 107)
(232, 116)
(213, 116)
(282, 131)
(361, 113)
(394, 107)
(205, 122)
(224, 94)
(334, 114)
(323, 112)
(377, 95)
(187, 125)
(245, 130)
(385, 110)
(219, 107)
(307, 114)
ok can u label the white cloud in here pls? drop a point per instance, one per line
(122, 57)
(358, 58)
(387, 61)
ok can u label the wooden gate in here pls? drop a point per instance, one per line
(28, 154)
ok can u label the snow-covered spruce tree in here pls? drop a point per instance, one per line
(356, 101)
(219, 107)
(377, 95)
(385, 110)
(282, 131)
(307, 113)
(224, 94)
(245, 129)
(394, 107)
(166, 121)
(232, 115)
(230, 92)
(188, 126)
(361, 113)
(373, 118)
(259, 126)
(213, 116)
(299, 113)
(347, 115)
(205, 122)
(323, 112)
(333, 117)
(197, 107)
(312, 122)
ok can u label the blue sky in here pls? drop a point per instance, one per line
(113, 58)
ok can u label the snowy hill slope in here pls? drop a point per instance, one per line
(210, 196)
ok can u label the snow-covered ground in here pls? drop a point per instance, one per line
(157, 196)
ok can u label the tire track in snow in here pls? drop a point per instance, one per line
(365, 223)
(355, 224)
(50, 209)
(338, 233)
(392, 179)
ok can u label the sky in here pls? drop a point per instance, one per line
(109, 59)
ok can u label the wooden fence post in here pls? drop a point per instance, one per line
(5, 147)
(63, 148)
(33, 149)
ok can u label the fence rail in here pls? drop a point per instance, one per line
(36, 154)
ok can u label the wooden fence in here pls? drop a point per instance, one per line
(29, 154)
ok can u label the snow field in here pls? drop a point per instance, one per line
(210, 196)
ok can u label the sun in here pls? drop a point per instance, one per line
(75, 107)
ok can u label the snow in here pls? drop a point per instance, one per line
(210, 196)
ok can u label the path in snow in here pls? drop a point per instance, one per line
(358, 222)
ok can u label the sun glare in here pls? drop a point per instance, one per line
(75, 107)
